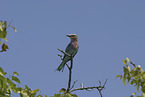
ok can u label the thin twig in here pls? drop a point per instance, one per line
(84, 88)
(73, 84)
(64, 53)
(99, 88)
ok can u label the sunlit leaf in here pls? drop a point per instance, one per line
(124, 81)
(26, 87)
(46, 96)
(57, 95)
(14, 28)
(143, 94)
(2, 72)
(74, 95)
(119, 76)
(16, 79)
(126, 71)
(11, 83)
(34, 91)
(39, 96)
(138, 88)
(133, 81)
(129, 78)
(67, 95)
(133, 93)
(5, 39)
(15, 73)
(124, 61)
(1, 26)
(25, 95)
(62, 90)
(19, 89)
(127, 59)
(3, 33)
(2, 78)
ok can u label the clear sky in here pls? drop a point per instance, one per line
(108, 32)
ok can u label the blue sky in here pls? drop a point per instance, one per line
(108, 32)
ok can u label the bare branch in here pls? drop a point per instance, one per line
(99, 88)
(73, 84)
(64, 52)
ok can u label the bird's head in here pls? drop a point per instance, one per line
(73, 37)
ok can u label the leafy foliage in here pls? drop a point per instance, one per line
(135, 76)
(9, 85)
(3, 34)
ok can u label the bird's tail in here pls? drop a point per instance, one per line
(61, 66)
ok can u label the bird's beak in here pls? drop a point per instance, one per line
(68, 35)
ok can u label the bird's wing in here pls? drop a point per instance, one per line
(68, 48)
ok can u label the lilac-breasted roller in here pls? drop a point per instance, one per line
(71, 49)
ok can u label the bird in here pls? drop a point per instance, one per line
(71, 49)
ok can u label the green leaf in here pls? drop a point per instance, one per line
(127, 59)
(126, 71)
(15, 73)
(119, 76)
(2, 72)
(138, 88)
(19, 89)
(39, 96)
(16, 79)
(26, 87)
(14, 28)
(46, 96)
(2, 81)
(57, 95)
(1, 26)
(4, 47)
(5, 24)
(129, 77)
(133, 81)
(3, 33)
(124, 81)
(12, 85)
(67, 95)
(125, 62)
(133, 93)
(62, 90)
(143, 89)
(25, 95)
(143, 94)
(5, 39)
(34, 91)
(74, 95)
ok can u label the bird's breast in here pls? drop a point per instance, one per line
(74, 45)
